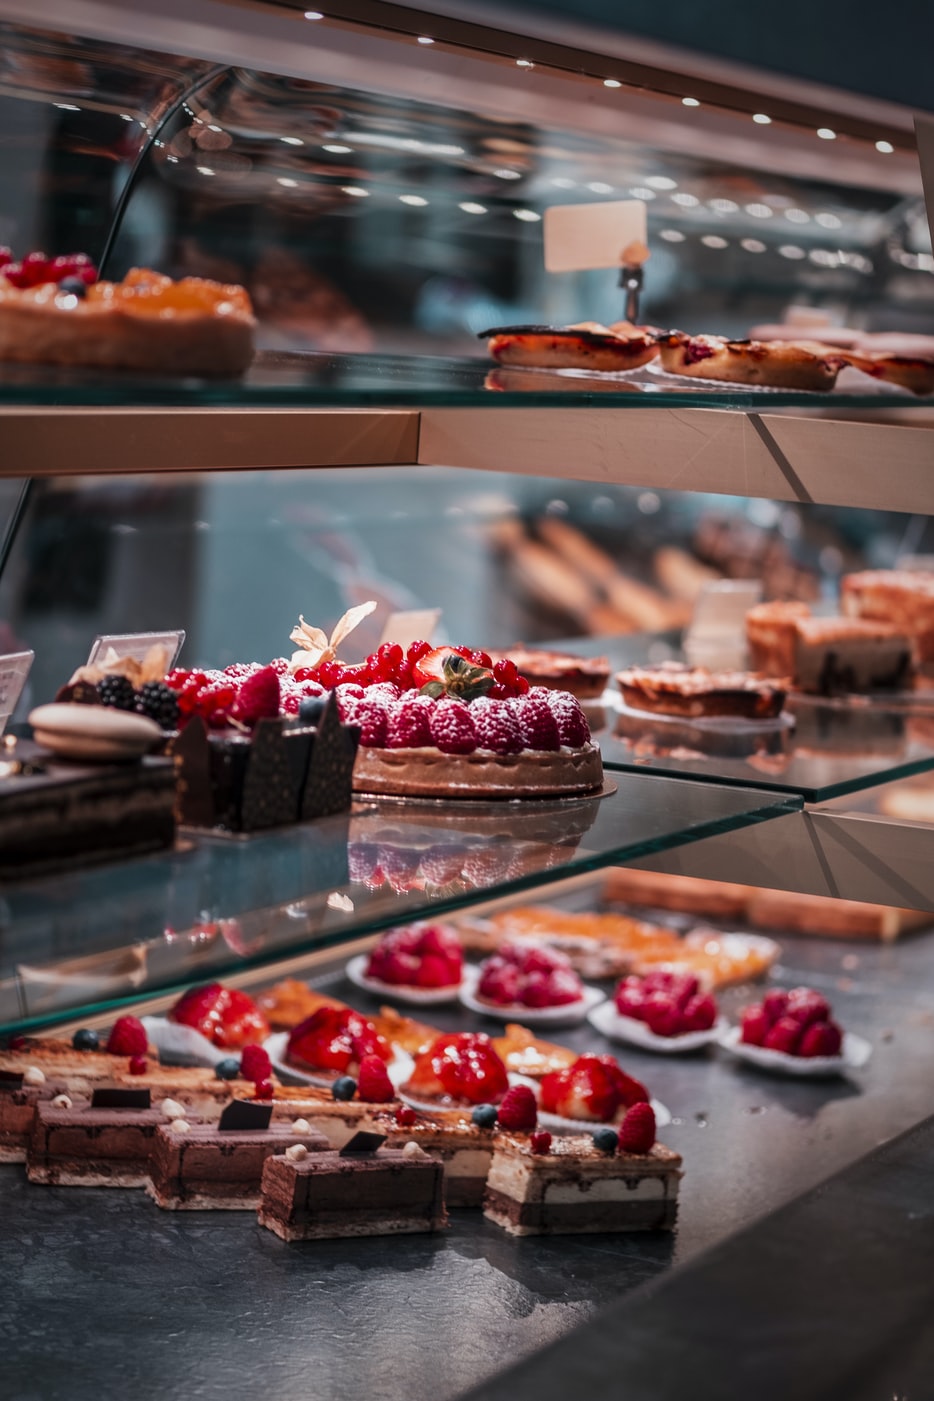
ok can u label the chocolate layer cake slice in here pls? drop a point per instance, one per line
(104, 1143)
(575, 1188)
(19, 1096)
(464, 1148)
(389, 1191)
(220, 1166)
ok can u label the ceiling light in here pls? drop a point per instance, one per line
(507, 174)
(686, 201)
(689, 102)
(600, 187)
(723, 206)
(205, 170)
(828, 221)
(825, 133)
(612, 83)
(415, 200)
(661, 182)
(125, 117)
(338, 150)
(287, 181)
(355, 191)
(528, 216)
(470, 208)
(714, 241)
(791, 250)
(292, 140)
(759, 211)
(642, 192)
(798, 216)
(762, 119)
(752, 245)
(561, 182)
(885, 147)
(672, 235)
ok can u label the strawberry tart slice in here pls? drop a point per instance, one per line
(528, 980)
(594, 1090)
(415, 963)
(331, 1045)
(457, 1071)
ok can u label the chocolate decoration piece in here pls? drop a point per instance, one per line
(362, 1142)
(194, 802)
(114, 1097)
(329, 785)
(11, 1079)
(243, 1114)
(270, 793)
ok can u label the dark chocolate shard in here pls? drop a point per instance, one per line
(329, 784)
(246, 1114)
(11, 1079)
(270, 793)
(362, 1142)
(116, 1097)
(191, 751)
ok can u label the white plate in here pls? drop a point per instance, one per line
(611, 1024)
(400, 1067)
(425, 997)
(183, 1045)
(571, 1014)
(854, 1054)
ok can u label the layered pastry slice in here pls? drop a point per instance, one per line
(20, 1092)
(102, 1142)
(220, 1166)
(674, 689)
(588, 345)
(900, 597)
(775, 364)
(575, 1187)
(367, 1189)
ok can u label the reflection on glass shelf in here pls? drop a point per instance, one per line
(93, 938)
(293, 379)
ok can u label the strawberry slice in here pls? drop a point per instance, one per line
(593, 1088)
(226, 1017)
(464, 1067)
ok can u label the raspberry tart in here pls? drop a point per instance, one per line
(794, 1033)
(56, 311)
(421, 963)
(663, 1011)
(457, 1071)
(528, 981)
(774, 364)
(587, 345)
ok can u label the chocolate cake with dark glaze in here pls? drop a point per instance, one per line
(206, 1166)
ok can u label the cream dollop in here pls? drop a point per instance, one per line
(413, 1150)
(296, 1152)
(172, 1109)
(61, 1102)
(301, 1126)
(32, 1075)
(180, 1126)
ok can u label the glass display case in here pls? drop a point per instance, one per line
(377, 180)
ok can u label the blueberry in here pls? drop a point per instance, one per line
(73, 287)
(484, 1116)
(606, 1140)
(228, 1068)
(86, 1040)
(345, 1087)
(311, 707)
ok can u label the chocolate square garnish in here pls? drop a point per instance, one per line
(116, 1097)
(362, 1142)
(245, 1114)
(11, 1079)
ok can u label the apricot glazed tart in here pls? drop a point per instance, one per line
(145, 322)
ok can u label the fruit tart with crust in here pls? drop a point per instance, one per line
(586, 345)
(775, 364)
(457, 1070)
(332, 1042)
(594, 1088)
(56, 311)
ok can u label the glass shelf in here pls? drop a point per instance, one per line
(97, 938)
(310, 379)
(835, 747)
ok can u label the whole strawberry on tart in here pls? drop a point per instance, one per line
(457, 1071)
(594, 1090)
(332, 1043)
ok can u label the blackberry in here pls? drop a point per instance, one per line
(117, 692)
(159, 702)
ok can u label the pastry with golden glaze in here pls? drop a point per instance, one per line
(587, 345)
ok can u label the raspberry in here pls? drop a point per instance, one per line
(406, 1116)
(630, 998)
(661, 1015)
(754, 1026)
(821, 1039)
(435, 972)
(441, 864)
(258, 697)
(407, 724)
(537, 725)
(774, 1004)
(417, 650)
(700, 1013)
(496, 726)
(518, 1112)
(783, 1036)
(399, 866)
(540, 1142)
(452, 728)
(138, 1065)
(573, 729)
(372, 719)
(485, 866)
(807, 1006)
(637, 1131)
(263, 1089)
(373, 1083)
(128, 1037)
(255, 1064)
(499, 982)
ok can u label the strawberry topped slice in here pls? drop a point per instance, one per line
(226, 1017)
(594, 1088)
(336, 1039)
(528, 976)
(462, 1068)
(420, 956)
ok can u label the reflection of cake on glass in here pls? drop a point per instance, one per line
(900, 597)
